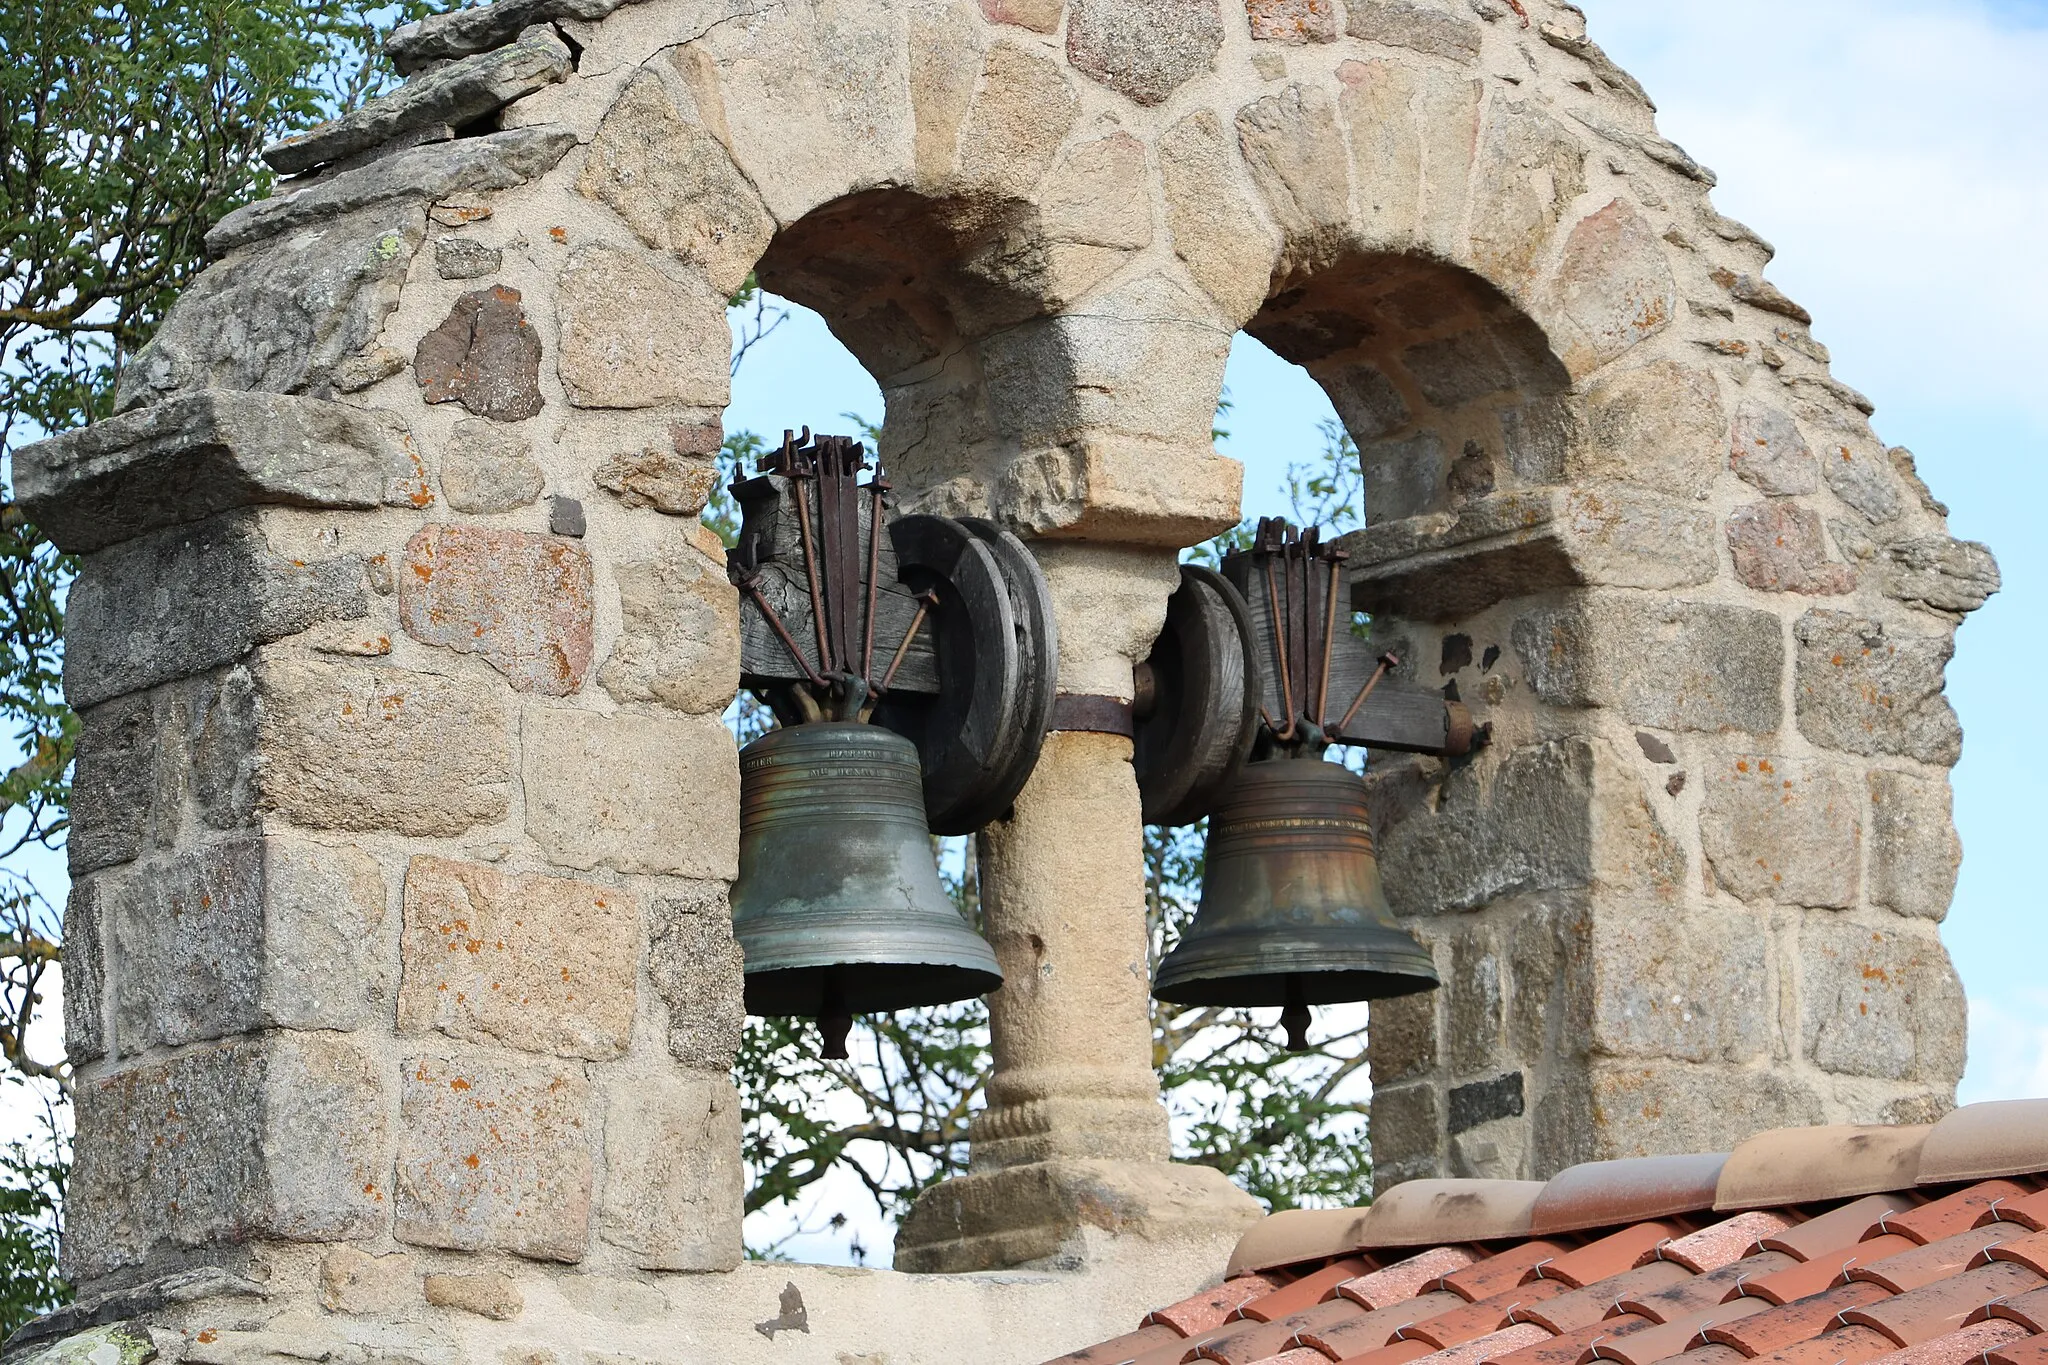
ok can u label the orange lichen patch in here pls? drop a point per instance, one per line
(522, 601)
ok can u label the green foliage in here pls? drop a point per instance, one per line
(126, 131)
(32, 1176)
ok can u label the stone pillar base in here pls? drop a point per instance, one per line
(1069, 1215)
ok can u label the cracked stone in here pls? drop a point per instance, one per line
(485, 356)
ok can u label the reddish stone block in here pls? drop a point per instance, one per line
(1778, 547)
(1292, 21)
(485, 356)
(521, 600)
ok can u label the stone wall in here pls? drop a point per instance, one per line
(400, 975)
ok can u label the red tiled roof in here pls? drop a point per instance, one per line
(1830, 1246)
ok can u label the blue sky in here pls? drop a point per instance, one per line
(1896, 152)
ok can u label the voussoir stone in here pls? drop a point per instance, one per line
(1143, 52)
(213, 450)
(1417, 27)
(673, 1182)
(542, 964)
(282, 1137)
(495, 161)
(1767, 450)
(1935, 571)
(1296, 155)
(1875, 1001)
(242, 935)
(1781, 830)
(1224, 246)
(641, 793)
(674, 183)
(485, 468)
(1377, 101)
(452, 95)
(522, 601)
(1530, 170)
(215, 591)
(485, 355)
(1866, 688)
(289, 316)
(1019, 118)
(1615, 286)
(360, 746)
(632, 337)
(1662, 425)
(679, 645)
(495, 1156)
(1779, 547)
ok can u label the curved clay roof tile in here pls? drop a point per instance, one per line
(1987, 1141)
(1810, 1165)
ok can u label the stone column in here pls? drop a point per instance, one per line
(1072, 1155)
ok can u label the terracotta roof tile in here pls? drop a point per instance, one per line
(1909, 1270)
(2030, 1351)
(1463, 1323)
(1983, 1141)
(1806, 1165)
(1355, 1336)
(1309, 1290)
(1823, 1272)
(1300, 1355)
(1211, 1308)
(1296, 1235)
(1702, 1292)
(1779, 1327)
(2030, 1249)
(1953, 1213)
(1838, 1228)
(1569, 1348)
(2029, 1310)
(1504, 1270)
(1582, 1307)
(1609, 1255)
(1405, 1279)
(1709, 1355)
(2031, 1212)
(1670, 1338)
(1939, 1308)
(1723, 1243)
(1840, 1246)
(1958, 1347)
(1399, 1353)
(1127, 1347)
(1605, 1194)
(1843, 1346)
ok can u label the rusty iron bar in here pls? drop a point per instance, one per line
(1334, 591)
(877, 486)
(752, 589)
(1281, 649)
(1386, 661)
(803, 522)
(926, 600)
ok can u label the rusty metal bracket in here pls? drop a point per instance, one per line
(1089, 714)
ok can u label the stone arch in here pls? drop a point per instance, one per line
(1696, 568)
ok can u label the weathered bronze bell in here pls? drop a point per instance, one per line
(838, 907)
(1292, 911)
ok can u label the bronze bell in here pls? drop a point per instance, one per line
(838, 907)
(1292, 911)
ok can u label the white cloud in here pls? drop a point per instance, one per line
(2008, 1050)
(1894, 152)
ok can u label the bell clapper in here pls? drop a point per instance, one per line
(1295, 1017)
(834, 1020)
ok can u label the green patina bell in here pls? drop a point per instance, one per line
(1292, 911)
(838, 907)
